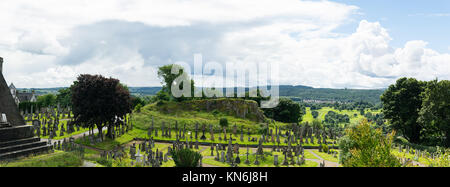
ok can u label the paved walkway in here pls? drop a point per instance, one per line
(327, 163)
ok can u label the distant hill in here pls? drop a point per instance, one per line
(329, 94)
(297, 93)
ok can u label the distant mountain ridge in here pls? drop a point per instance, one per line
(298, 93)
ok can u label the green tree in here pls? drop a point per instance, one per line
(364, 146)
(223, 122)
(138, 108)
(135, 101)
(316, 124)
(401, 104)
(287, 111)
(165, 73)
(435, 111)
(315, 114)
(47, 100)
(64, 97)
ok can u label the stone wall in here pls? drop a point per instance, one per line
(15, 133)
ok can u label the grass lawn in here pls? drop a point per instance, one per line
(324, 110)
(66, 135)
(56, 159)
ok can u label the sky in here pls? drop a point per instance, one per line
(324, 44)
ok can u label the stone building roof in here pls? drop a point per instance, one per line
(25, 96)
(7, 103)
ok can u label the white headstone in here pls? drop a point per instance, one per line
(3, 118)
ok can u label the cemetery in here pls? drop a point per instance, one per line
(217, 132)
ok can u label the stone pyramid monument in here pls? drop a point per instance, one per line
(16, 138)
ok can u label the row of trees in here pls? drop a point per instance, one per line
(63, 98)
(358, 105)
(419, 110)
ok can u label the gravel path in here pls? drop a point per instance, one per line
(327, 163)
(88, 164)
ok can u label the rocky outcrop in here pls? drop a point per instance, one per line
(246, 109)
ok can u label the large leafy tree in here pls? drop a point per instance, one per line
(287, 111)
(364, 146)
(47, 100)
(64, 97)
(168, 80)
(99, 101)
(401, 104)
(435, 111)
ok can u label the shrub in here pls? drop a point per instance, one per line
(364, 146)
(186, 158)
(138, 107)
(325, 148)
(223, 122)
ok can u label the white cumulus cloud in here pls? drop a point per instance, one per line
(49, 43)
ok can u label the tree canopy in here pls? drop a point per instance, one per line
(401, 104)
(287, 111)
(99, 100)
(419, 110)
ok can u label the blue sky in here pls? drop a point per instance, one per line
(326, 44)
(406, 20)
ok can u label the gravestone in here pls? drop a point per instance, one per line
(275, 160)
(196, 131)
(203, 132)
(211, 131)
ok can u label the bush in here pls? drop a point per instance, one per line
(364, 146)
(186, 158)
(138, 107)
(315, 114)
(223, 122)
(325, 148)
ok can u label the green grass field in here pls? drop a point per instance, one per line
(56, 159)
(324, 110)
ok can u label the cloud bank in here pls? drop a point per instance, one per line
(48, 43)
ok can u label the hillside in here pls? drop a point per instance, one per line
(327, 94)
(243, 113)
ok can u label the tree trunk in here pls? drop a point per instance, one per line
(447, 138)
(100, 132)
(109, 132)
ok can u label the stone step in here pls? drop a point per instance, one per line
(24, 152)
(21, 147)
(19, 141)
